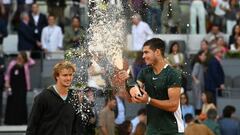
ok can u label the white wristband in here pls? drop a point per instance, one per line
(149, 100)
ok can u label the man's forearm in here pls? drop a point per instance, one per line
(167, 105)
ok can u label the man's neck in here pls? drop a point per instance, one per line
(157, 68)
(35, 14)
(61, 90)
(75, 28)
(51, 25)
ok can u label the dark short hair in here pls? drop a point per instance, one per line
(109, 97)
(51, 15)
(155, 43)
(76, 17)
(188, 117)
(228, 111)
(212, 114)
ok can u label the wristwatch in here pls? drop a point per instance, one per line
(149, 100)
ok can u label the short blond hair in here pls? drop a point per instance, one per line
(62, 65)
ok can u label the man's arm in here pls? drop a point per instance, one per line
(102, 125)
(35, 117)
(170, 105)
(104, 130)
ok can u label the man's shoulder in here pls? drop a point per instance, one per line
(45, 28)
(172, 70)
(68, 29)
(45, 92)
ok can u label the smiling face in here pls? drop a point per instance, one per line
(148, 55)
(65, 77)
(51, 20)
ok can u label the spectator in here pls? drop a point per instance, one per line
(198, 79)
(140, 118)
(138, 6)
(215, 74)
(197, 10)
(84, 9)
(22, 6)
(222, 44)
(75, 35)
(211, 123)
(140, 129)
(125, 128)
(8, 9)
(171, 17)
(3, 27)
(17, 83)
(236, 45)
(220, 12)
(26, 4)
(228, 124)
(75, 9)
(37, 21)
(194, 128)
(205, 47)
(175, 57)
(213, 34)
(234, 35)
(26, 40)
(106, 117)
(232, 15)
(138, 64)
(56, 8)
(208, 104)
(52, 36)
(120, 111)
(186, 106)
(141, 32)
(154, 13)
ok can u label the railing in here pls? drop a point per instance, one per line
(13, 130)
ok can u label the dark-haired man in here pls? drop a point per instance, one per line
(106, 117)
(74, 36)
(161, 91)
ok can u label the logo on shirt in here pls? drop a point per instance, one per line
(154, 78)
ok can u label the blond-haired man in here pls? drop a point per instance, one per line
(52, 112)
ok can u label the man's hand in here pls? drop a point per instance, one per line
(123, 75)
(136, 98)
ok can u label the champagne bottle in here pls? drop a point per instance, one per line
(130, 83)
